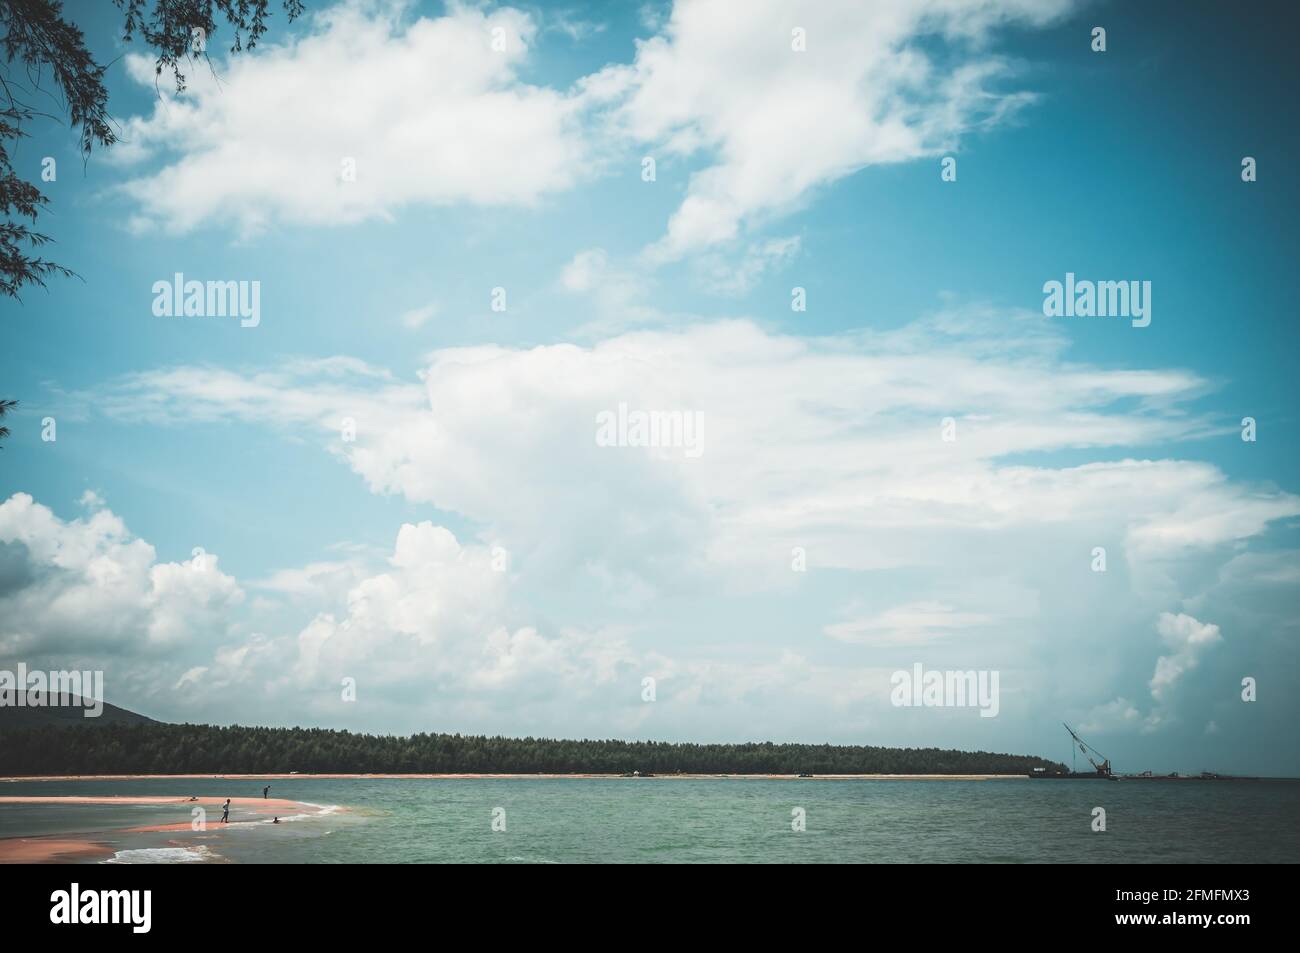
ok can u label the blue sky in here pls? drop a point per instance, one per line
(522, 169)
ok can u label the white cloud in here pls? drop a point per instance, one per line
(586, 271)
(775, 124)
(317, 581)
(1114, 716)
(430, 637)
(435, 594)
(437, 637)
(435, 616)
(618, 291)
(1187, 638)
(813, 443)
(418, 317)
(978, 549)
(574, 27)
(89, 585)
(430, 113)
(343, 387)
(724, 276)
(915, 623)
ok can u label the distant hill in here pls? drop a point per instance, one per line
(20, 717)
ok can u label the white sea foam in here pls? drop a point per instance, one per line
(163, 855)
(322, 809)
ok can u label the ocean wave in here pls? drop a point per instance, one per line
(322, 809)
(163, 855)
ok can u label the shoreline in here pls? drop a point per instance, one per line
(204, 802)
(67, 848)
(505, 777)
(56, 849)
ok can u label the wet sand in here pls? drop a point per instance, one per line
(262, 805)
(49, 850)
(62, 849)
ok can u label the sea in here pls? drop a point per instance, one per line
(680, 820)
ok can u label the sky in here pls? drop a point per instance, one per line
(476, 229)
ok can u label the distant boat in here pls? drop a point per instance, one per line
(1101, 770)
(1175, 776)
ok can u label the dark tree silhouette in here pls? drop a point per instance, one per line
(157, 748)
(41, 47)
(5, 407)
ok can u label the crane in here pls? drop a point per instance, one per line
(1088, 750)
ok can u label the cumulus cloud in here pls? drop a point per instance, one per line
(977, 550)
(430, 112)
(830, 444)
(88, 585)
(434, 593)
(436, 637)
(429, 639)
(1187, 638)
(818, 443)
(436, 616)
(733, 90)
(426, 109)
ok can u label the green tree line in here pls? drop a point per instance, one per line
(207, 749)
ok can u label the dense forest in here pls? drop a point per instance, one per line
(205, 749)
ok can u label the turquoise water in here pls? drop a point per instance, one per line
(696, 821)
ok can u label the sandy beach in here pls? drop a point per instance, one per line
(261, 805)
(49, 850)
(61, 848)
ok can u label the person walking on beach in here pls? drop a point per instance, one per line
(265, 791)
(225, 812)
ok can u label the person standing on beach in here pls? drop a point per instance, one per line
(265, 791)
(225, 812)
